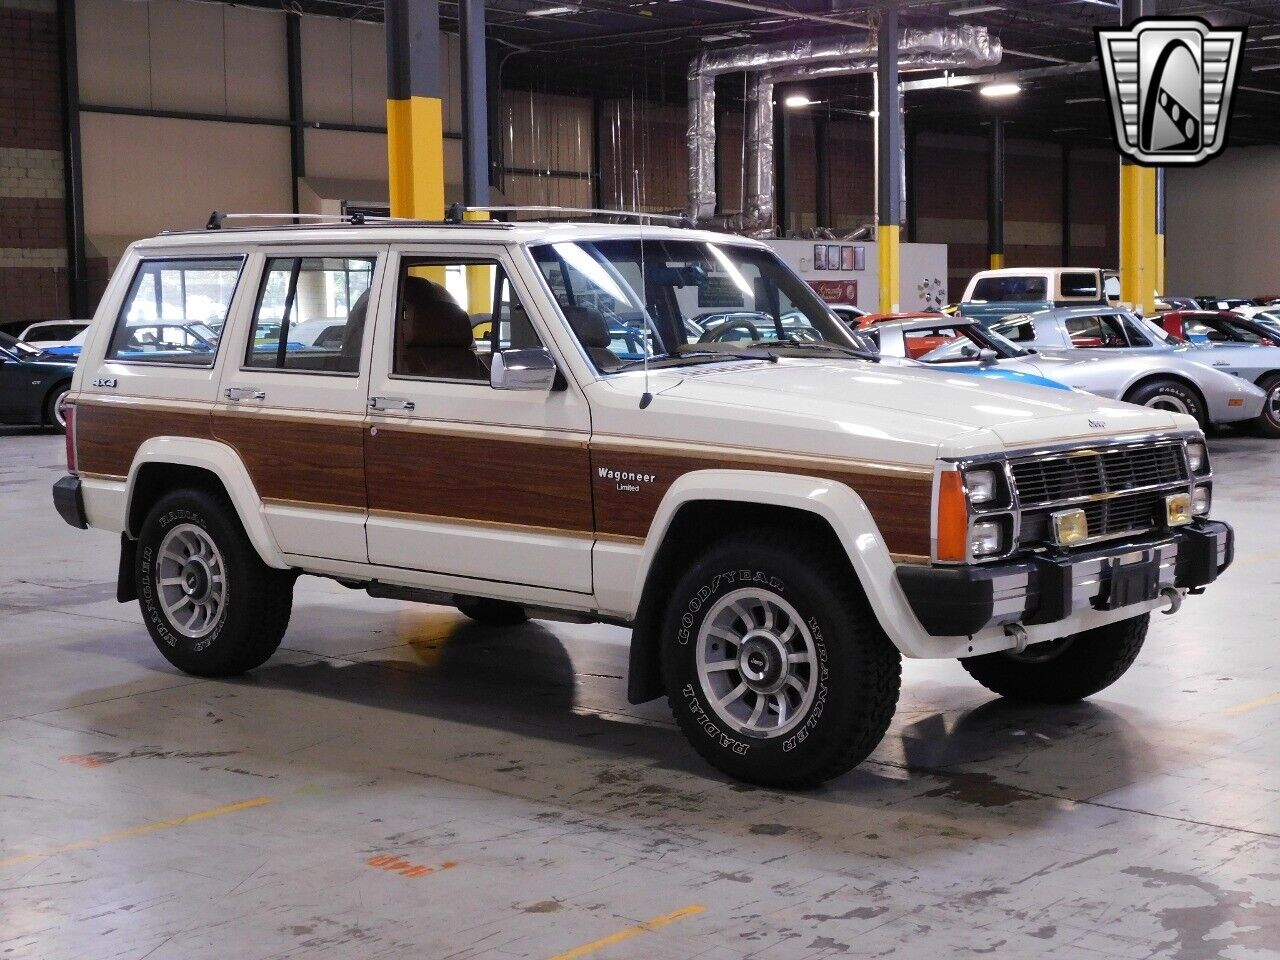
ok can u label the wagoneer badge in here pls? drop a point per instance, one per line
(627, 481)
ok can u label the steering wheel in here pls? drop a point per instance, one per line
(718, 332)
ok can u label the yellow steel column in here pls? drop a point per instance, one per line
(415, 116)
(479, 278)
(1138, 273)
(889, 256)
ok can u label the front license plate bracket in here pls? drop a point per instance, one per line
(1131, 583)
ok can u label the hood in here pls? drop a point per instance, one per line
(909, 413)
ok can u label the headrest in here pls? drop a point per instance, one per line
(431, 318)
(590, 327)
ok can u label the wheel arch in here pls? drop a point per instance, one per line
(704, 503)
(163, 463)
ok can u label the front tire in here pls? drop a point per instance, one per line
(213, 608)
(775, 667)
(1171, 395)
(1269, 420)
(1064, 670)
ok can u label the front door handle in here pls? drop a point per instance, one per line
(390, 403)
(244, 393)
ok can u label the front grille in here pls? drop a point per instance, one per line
(1121, 489)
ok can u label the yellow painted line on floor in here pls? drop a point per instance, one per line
(139, 831)
(1240, 708)
(656, 923)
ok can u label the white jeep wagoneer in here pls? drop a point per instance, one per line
(648, 426)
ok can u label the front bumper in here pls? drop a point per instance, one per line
(69, 501)
(959, 601)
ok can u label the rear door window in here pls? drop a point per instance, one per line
(302, 301)
(172, 309)
(1010, 289)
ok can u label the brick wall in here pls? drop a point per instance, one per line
(33, 253)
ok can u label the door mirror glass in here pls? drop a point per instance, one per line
(532, 368)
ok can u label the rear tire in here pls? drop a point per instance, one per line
(1173, 396)
(494, 613)
(55, 406)
(1269, 420)
(213, 608)
(802, 633)
(1064, 670)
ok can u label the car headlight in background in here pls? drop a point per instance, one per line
(982, 485)
(986, 539)
(1201, 500)
(1197, 457)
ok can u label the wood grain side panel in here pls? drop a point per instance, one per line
(319, 462)
(900, 504)
(480, 478)
(108, 435)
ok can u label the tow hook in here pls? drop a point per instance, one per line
(1174, 596)
(1019, 634)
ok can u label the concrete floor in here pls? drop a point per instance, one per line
(397, 782)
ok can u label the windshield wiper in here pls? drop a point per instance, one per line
(701, 356)
(826, 345)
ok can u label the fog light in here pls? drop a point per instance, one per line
(1070, 527)
(1201, 498)
(984, 539)
(1195, 457)
(1177, 509)
(981, 485)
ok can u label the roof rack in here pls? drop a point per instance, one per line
(455, 213)
(454, 216)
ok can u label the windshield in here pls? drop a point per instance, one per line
(685, 301)
(16, 346)
(963, 343)
(1010, 290)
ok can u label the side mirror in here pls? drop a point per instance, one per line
(528, 369)
(987, 356)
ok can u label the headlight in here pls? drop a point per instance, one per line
(981, 485)
(1197, 457)
(1201, 500)
(985, 539)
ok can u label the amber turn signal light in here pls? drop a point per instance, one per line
(953, 518)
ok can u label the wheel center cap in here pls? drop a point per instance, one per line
(195, 580)
(762, 661)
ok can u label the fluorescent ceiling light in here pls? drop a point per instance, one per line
(975, 10)
(1270, 36)
(1268, 66)
(1083, 100)
(798, 100)
(1000, 90)
(552, 11)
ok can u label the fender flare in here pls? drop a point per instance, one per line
(225, 464)
(833, 502)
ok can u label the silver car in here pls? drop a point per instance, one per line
(1110, 352)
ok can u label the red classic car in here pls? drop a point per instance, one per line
(1215, 326)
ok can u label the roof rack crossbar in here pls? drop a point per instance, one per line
(456, 210)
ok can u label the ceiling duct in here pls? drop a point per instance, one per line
(771, 63)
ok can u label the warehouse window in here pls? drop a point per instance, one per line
(311, 314)
(174, 311)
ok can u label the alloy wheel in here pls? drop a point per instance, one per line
(191, 580)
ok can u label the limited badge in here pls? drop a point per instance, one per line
(1171, 82)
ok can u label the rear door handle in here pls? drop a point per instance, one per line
(244, 393)
(390, 403)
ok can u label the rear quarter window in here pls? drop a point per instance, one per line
(173, 308)
(1083, 284)
(1010, 289)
